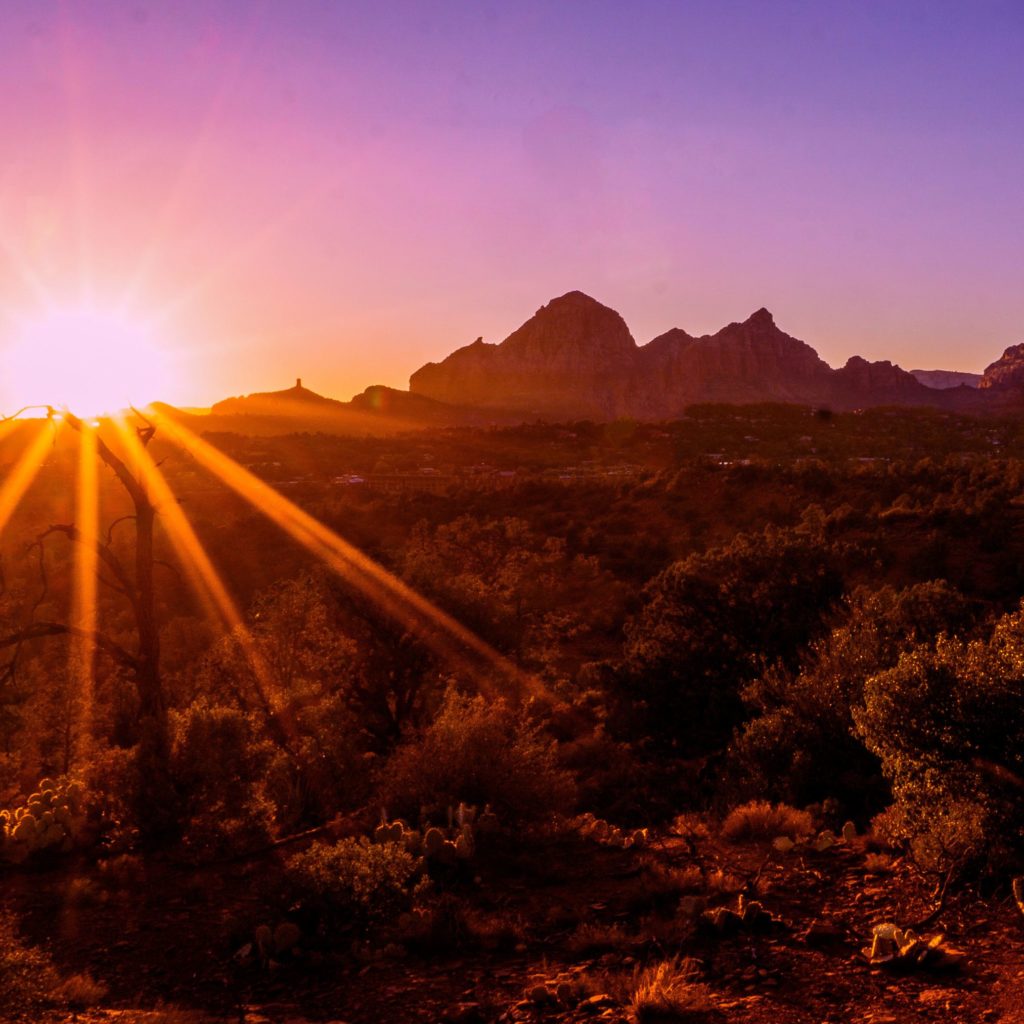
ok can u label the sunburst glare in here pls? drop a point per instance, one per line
(91, 360)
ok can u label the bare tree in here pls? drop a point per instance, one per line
(156, 803)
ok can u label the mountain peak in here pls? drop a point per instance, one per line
(576, 296)
(572, 327)
(761, 318)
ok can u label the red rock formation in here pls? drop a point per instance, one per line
(569, 358)
(1007, 371)
(576, 359)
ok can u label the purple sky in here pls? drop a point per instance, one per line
(344, 190)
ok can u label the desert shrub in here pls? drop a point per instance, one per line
(481, 752)
(595, 937)
(28, 979)
(760, 819)
(495, 929)
(948, 725)
(799, 746)
(709, 624)
(357, 883)
(218, 764)
(621, 787)
(80, 992)
(215, 752)
(670, 992)
(110, 777)
(659, 886)
(82, 891)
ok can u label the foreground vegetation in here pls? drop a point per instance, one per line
(765, 696)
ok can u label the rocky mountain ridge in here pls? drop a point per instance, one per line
(576, 358)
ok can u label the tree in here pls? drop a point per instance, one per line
(522, 592)
(155, 800)
(799, 745)
(947, 723)
(712, 623)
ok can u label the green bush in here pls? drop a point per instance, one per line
(355, 882)
(948, 725)
(218, 766)
(481, 752)
(799, 745)
(708, 626)
(28, 979)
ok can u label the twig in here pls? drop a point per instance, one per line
(110, 528)
(941, 905)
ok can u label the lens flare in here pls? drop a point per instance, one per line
(440, 631)
(83, 651)
(91, 361)
(203, 577)
(22, 475)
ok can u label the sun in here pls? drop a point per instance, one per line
(91, 361)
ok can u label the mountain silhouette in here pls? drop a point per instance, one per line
(575, 358)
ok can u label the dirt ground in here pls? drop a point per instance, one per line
(164, 940)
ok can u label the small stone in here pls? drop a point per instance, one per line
(538, 994)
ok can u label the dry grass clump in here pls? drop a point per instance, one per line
(661, 885)
(878, 864)
(80, 991)
(591, 937)
(125, 871)
(669, 880)
(30, 984)
(491, 931)
(724, 882)
(760, 819)
(669, 991)
(28, 979)
(83, 892)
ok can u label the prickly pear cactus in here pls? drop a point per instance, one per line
(53, 818)
(448, 846)
(747, 916)
(433, 841)
(599, 831)
(903, 949)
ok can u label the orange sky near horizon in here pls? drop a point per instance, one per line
(343, 192)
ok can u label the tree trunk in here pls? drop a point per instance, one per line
(156, 801)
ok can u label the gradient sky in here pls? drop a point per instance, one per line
(344, 190)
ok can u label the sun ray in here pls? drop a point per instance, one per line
(83, 653)
(22, 475)
(443, 633)
(203, 577)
